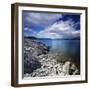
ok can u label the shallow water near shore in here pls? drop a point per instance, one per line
(69, 48)
(47, 57)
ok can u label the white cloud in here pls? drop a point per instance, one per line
(29, 32)
(61, 29)
(27, 29)
(42, 19)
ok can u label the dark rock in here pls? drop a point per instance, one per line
(31, 65)
(39, 63)
(32, 49)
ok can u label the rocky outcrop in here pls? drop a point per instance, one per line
(50, 67)
(32, 50)
(39, 63)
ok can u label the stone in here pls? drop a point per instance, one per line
(38, 62)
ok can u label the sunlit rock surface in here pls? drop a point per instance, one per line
(38, 62)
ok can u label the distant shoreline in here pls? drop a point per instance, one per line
(77, 38)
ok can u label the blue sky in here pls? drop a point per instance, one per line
(51, 25)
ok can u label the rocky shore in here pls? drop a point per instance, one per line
(38, 62)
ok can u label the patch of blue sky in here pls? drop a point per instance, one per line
(51, 25)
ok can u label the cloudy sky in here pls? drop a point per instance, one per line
(51, 25)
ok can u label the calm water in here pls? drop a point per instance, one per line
(70, 48)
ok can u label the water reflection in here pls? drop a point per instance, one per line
(70, 48)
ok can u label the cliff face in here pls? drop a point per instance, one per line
(39, 63)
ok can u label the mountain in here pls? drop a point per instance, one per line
(30, 37)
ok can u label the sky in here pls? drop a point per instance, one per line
(51, 25)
